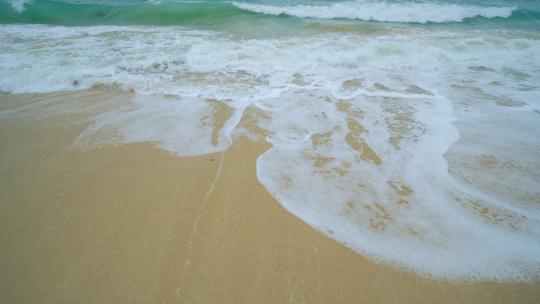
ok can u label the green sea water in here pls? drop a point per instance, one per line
(218, 13)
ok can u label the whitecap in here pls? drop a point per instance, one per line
(414, 12)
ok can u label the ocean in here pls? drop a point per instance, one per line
(406, 130)
(218, 14)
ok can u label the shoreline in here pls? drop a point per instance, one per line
(127, 224)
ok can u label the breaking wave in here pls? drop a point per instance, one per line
(413, 12)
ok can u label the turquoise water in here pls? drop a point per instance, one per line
(216, 13)
(405, 130)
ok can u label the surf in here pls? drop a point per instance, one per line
(406, 12)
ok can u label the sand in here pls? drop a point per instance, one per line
(135, 224)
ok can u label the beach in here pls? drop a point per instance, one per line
(331, 151)
(136, 224)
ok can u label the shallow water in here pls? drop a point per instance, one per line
(365, 104)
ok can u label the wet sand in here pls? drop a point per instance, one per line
(135, 224)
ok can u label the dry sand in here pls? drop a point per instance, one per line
(135, 224)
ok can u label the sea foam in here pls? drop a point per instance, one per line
(19, 5)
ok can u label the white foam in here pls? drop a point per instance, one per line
(359, 126)
(357, 202)
(184, 126)
(19, 5)
(408, 11)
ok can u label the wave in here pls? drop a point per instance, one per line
(76, 13)
(157, 12)
(414, 12)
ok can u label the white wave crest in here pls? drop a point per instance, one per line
(19, 5)
(413, 12)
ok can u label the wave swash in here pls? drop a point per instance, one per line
(398, 144)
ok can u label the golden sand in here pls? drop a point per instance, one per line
(135, 224)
